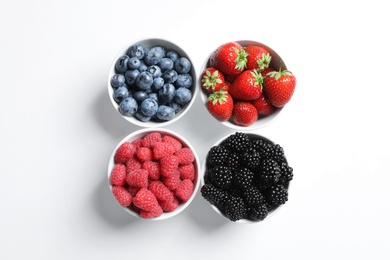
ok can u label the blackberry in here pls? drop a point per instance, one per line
(233, 160)
(263, 147)
(221, 177)
(270, 172)
(237, 142)
(257, 212)
(217, 155)
(277, 153)
(252, 197)
(286, 173)
(251, 158)
(243, 178)
(234, 208)
(276, 195)
(211, 194)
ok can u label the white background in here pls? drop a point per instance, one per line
(58, 129)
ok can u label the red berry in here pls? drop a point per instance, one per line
(244, 114)
(263, 106)
(173, 141)
(145, 200)
(124, 152)
(169, 205)
(220, 105)
(187, 171)
(185, 155)
(118, 175)
(153, 169)
(172, 181)
(154, 213)
(122, 196)
(258, 57)
(133, 164)
(212, 80)
(138, 178)
(133, 190)
(144, 154)
(137, 143)
(184, 190)
(279, 87)
(150, 139)
(168, 164)
(247, 86)
(229, 58)
(162, 149)
(160, 191)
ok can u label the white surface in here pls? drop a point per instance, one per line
(59, 128)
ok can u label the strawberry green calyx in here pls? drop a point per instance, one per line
(211, 80)
(258, 77)
(218, 96)
(278, 74)
(264, 62)
(241, 58)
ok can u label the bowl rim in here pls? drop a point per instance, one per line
(182, 53)
(261, 122)
(141, 133)
(241, 221)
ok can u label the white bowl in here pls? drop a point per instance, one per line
(202, 182)
(150, 43)
(140, 134)
(276, 62)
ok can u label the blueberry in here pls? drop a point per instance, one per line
(118, 80)
(120, 94)
(165, 113)
(149, 107)
(154, 70)
(142, 67)
(121, 64)
(169, 76)
(176, 107)
(182, 96)
(144, 80)
(134, 63)
(137, 51)
(173, 55)
(153, 96)
(128, 106)
(141, 117)
(182, 65)
(166, 93)
(140, 95)
(154, 56)
(131, 76)
(184, 81)
(157, 83)
(166, 64)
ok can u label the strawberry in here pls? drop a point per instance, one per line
(279, 87)
(258, 57)
(229, 58)
(220, 105)
(247, 86)
(263, 106)
(265, 71)
(244, 113)
(212, 80)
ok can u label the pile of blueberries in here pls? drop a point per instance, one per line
(151, 84)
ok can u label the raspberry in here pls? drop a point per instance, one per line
(153, 169)
(138, 178)
(145, 200)
(137, 143)
(118, 175)
(154, 213)
(168, 164)
(184, 190)
(133, 190)
(151, 139)
(160, 191)
(172, 181)
(185, 156)
(133, 164)
(144, 154)
(122, 196)
(173, 141)
(187, 171)
(162, 149)
(124, 152)
(169, 205)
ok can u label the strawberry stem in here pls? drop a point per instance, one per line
(218, 96)
(241, 58)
